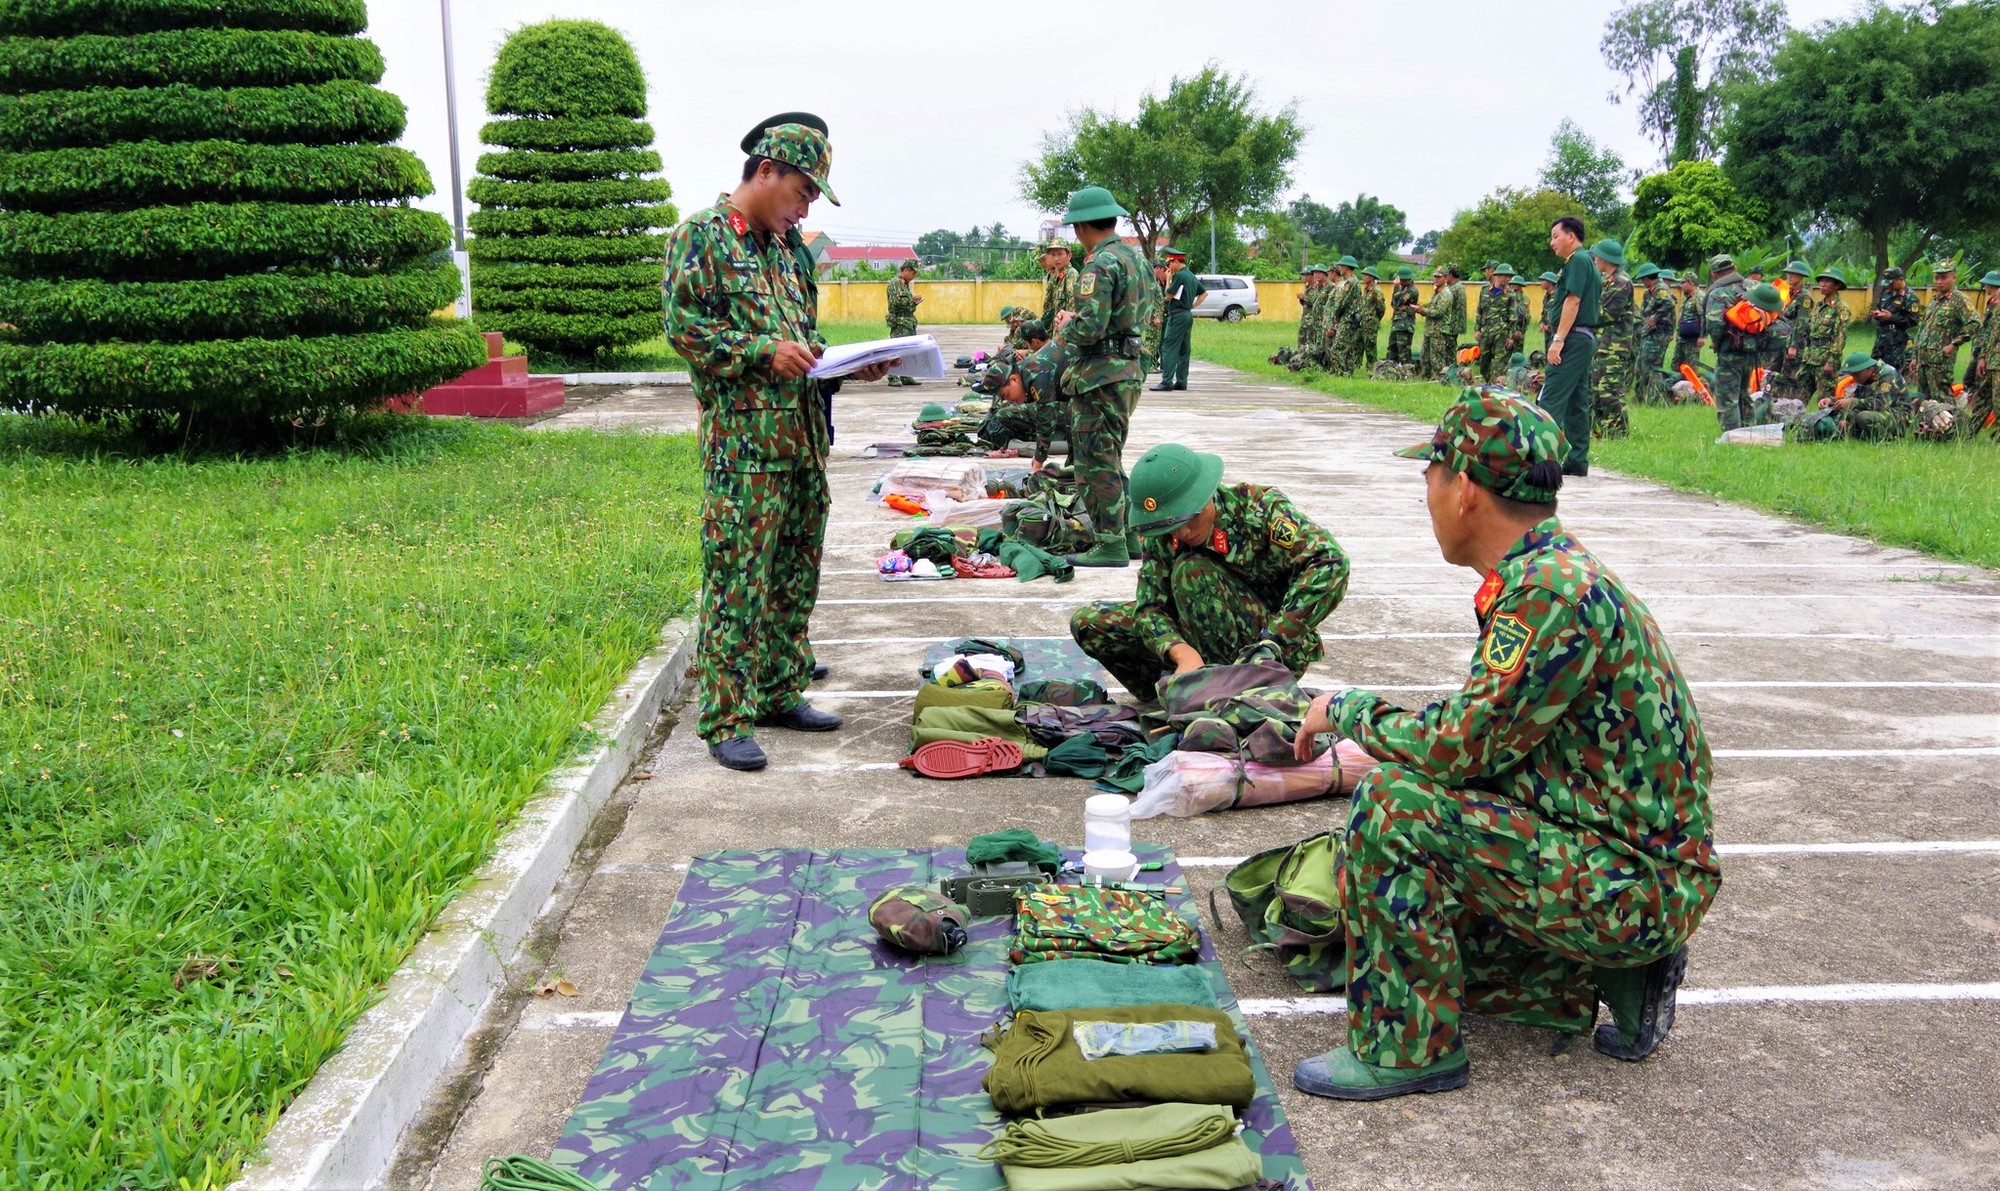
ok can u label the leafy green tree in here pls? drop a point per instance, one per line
(1427, 242)
(939, 246)
(1368, 228)
(203, 226)
(1889, 120)
(566, 257)
(1591, 174)
(1508, 225)
(1205, 147)
(1692, 212)
(1681, 57)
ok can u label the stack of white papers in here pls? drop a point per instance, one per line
(919, 356)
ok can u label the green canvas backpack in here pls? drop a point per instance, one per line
(1289, 902)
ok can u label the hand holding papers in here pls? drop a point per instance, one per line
(919, 356)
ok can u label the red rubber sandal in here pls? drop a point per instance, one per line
(956, 759)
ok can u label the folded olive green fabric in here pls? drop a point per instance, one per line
(973, 723)
(984, 692)
(1095, 984)
(1037, 1065)
(1160, 1147)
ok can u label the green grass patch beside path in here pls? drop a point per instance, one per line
(1938, 498)
(259, 720)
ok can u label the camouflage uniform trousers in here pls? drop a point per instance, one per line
(1686, 351)
(1440, 353)
(1652, 388)
(897, 327)
(1399, 344)
(1099, 420)
(1345, 354)
(1610, 380)
(1493, 355)
(1933, 375)
(760, 551)
(1224, 618)
(1456, 902)
(1732, 389)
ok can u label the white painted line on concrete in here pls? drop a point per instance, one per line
(582, 1019)
(1336, 1004)
(1854, 754)
(1415, 597)
(1875, 847)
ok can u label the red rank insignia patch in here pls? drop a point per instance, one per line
(738, 224)
(1489, 591)
(1219, 542)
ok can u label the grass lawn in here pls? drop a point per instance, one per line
(259, 720)
(655, 356)
(1938, 498)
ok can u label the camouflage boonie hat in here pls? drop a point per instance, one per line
(1508, 447)
(1032, 328)
(802, 147)
(1721, 261)
(994, 377)
(908, 264)
(919, 921)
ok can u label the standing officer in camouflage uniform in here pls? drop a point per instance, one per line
(1371, 315)
(741, 310)
(1825, 336)
(1461, 310)
(1312, 328)
(1491, 323)
(1656, 330)
(903, 310)
(1549, 312)
(1402, 316)
(1894, 314)
(1059, 286)
(1102, 378)
(1737, 351)
(1183, 289)
(1691, 324)
(1982, 396)
(1227, 567)
(1617, 326)
(1787, 376)
(1540, 841)
(1521, 317)
(1440, 339)
(1946, 325)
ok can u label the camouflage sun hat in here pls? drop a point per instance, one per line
(1800, 267)
(1090, 204)
(1765, 297)
(1832, 273)
(1348, 262)
(1549, 277)
(1170, 485)
(1992, 278)
(1721, 261)
(919, 921)
(806, 118)
(994, 377)
(802, 147)
(1508, 446)
(1406, 273)
(932, 412)
(1611, 252)
(1857, 362)
(1645, 271)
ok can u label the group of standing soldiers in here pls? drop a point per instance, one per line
(1340, 316)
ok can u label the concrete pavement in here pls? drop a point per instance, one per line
(1842, 1015)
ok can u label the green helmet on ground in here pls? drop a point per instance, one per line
(932, 412)
(1170, 485)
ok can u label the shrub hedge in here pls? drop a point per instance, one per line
(199, 221)
(566, 257)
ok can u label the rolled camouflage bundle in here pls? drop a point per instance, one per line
(919, 921)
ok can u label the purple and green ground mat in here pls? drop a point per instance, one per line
(774, 1042)
(1044, 658)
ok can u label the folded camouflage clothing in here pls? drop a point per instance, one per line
(1125, 926)
(1037, 1065)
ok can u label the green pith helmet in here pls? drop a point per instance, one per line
(1091, 204)
(1370, 272)
(1765, 297)
(1520, 281)
(1549, 277)
(932, 412)
(1645, 271)
(1518, 360)
(1305, 270)
(1611, 252)
(1670, 277)
(1318, 268)
(1170, 485)
(1799, 267)
(1831, 273)
(1503, 270)
(1857, 362)
(1348, 262)
(1406, 273)
(1991, 278)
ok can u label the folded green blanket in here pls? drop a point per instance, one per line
(1093, 983)
(1036, 1063)
(1164, 1146)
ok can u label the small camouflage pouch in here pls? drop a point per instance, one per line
(919, 921)
(1087, 922)
(1064, 692)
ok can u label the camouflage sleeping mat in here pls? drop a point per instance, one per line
(1043, 658)
(774, 1042)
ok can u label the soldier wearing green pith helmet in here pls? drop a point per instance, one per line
(1226, 566)
(1403, 300)
(1114, 296)
(1540, 841)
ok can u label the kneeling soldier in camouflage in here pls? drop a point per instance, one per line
(1538, 842)
(1224, 568)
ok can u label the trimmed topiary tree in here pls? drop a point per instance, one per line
(200, 222)
(566, 254)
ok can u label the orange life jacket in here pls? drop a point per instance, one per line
(1749, 319)
(1700, 389)
(1467, 355)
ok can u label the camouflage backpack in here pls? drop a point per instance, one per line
(1289, 900)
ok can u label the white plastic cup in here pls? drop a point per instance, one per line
(1107, 823)
(1111, 864)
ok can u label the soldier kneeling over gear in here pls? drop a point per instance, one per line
(1224, 568)
(1538, 842)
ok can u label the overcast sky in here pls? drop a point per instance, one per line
(934, 106)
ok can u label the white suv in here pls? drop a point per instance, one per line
(1229, 297)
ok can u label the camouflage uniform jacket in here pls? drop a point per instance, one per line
(1825, 332)
(1692, 309)
(1617, 311)
(1494, 314)
(1575, 709)
(1517, 316)
(1656, 316)
(1403, 307)
(1058, 293)
(1294, 566)
(1339, 306)
(1458, 304)
(1947, 323)
(1437, 312)
(1894, 331)
(1888, 393)
(1371, 311)
(902, 302)
(1987, 346)
(731, 297)
(1114, 298)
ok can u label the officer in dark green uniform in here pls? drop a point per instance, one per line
(1573, 345)
(1184, 289)
(1226, 567)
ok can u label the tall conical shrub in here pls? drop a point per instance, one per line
(567, 252)
(201, 220)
